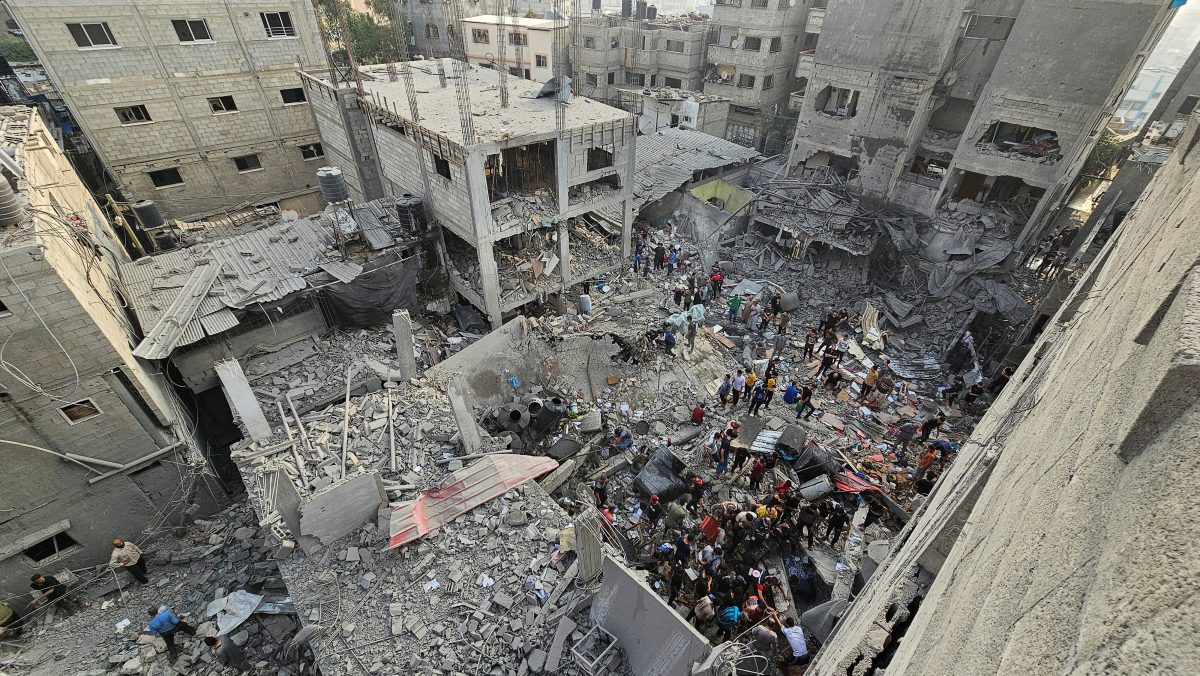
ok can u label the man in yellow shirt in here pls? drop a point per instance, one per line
(130, 557)
(770, 391)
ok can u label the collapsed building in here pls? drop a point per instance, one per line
(941, 104)
(524, 210)
(98, 444)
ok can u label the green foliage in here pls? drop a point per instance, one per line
(1108, 152)
(372, 42)
(15, 49)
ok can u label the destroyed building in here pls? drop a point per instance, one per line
(938, 103)
(524, 210)
(663, 107)
(751, 58)
(1035, 553)
(97, 444)
(617, 52)
(194, 105)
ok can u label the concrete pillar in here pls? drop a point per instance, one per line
(464, 417)
(242, 400)
(587, 544)
(627, 207)
(405, 350)
(564, 254)
(489, 278)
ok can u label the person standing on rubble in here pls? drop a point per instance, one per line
(769, 389)
(810, 344)
(782, 323)
(739, 387)
(757, 470)
(827, 359)
(757, 396)
(974, 392)
(164, 623)
(227, 653)
(130, 557)
(679, 296)
(776, 304)
(869, 382)
(805, 403)
(931, 425)
(838, 519)
(672, 259)
(724, 390)
(904, 435)
(843, 346)
(691, 335)
(1001, 380)
(668, 341)
(951, 393)
(660, 253)
(735, 303)
(751, 380)
(676, 513)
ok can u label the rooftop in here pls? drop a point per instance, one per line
(523, 22)
(672, 94)
(439, 107)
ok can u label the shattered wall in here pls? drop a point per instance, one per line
(1063, 538)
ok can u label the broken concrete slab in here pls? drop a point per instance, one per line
(405, 350)
(242, 400)
(464, 416)
(335, 511)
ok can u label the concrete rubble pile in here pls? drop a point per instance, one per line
(226, 555)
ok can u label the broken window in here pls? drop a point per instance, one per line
(989, 27)
(164, 178)
(222, 104)
(441, 165)
(521, 170)
(672, 82)
(760, 4)
(431, 31)
(518, 39)
(133, 114)
(589, 43)
(614, 43)
(292, 95)
(311, 151)
(745, 81)
(768, 82)
(480, 36)
(674, 46)
(1188, 105)
(636, 79)
(1020, 142)
(191, 30)
(810, 42)
(84, 409)
(837, 102)
(928, 171)
(591, 80)
(92, 34)
(278, 24)
(51, 548)
(752, 44)
(247, 163)
(599, 158)
(776, 45)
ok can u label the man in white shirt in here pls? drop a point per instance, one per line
(130, 557)
(795, 638)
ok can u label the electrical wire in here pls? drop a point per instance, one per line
(16, 372)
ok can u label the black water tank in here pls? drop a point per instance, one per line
(411, 213)
(333, 185)
(147, 214)
(641, 10)
(626, 8)
(652, 12)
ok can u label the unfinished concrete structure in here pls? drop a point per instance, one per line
(88, 431)
(525, 210)
(663, 107)
(430, 22)
(621, 52)
(192, 104)
(750, 59)
(933, 102)
(1035, 572)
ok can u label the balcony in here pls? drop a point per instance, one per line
(741, 58)
(796, 100)
(806, 63)
(816, 19)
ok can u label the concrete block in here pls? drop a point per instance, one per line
(242, 399)
(341, 508)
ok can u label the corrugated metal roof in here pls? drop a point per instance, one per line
(166, 333)
(483, 481)
(261, 266)
(667, 159)
(345, 272)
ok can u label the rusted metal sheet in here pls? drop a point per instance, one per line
(483, 481)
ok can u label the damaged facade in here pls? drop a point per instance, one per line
(616, 52)
(524, 210)
(942, 102)
(96, 442)
(193, 105)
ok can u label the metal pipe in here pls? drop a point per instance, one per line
(56, 454)
(146, 458)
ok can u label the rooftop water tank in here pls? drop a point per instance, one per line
(333, 185)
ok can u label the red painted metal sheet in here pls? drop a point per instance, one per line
(483, 481)
(852, 483)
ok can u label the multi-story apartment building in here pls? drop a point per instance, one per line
(523, 47)
(193, 104)
(617, 53)
(663, 108)
(927, 101)
(750, 60)
(525, 211)
(93, 438)
(429, 21)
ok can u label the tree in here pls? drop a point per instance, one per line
(15, 49)
(1108, 152)
(372, 42)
